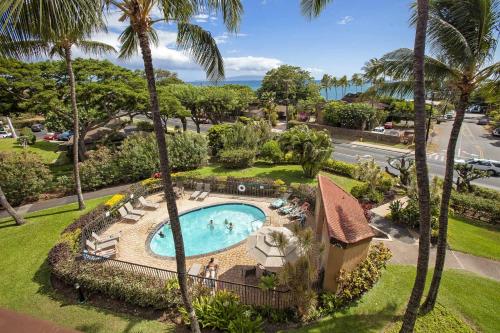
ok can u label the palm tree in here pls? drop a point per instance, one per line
(334, 83)
(29, 31)
(203, 48)
(344, 83)
(421, 168)
(356, 81)
(12, 212)
(462, 41)
(326, 82)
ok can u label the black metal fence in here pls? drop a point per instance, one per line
(248, 294)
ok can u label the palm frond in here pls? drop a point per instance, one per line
(490, 72)
(231, 10)
(180, 10)
(94, 47)
(200, 44)
(27, 49)
(313, 8)
(129, 43)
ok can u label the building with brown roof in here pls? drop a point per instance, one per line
(342, 228)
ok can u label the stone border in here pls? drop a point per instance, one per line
(161, 224)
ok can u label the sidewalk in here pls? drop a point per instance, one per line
(39, 205)
(381, 147)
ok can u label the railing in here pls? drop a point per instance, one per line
(248, 294)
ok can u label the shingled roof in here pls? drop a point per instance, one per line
(346, 221)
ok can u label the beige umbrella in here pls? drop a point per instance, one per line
(263, 249)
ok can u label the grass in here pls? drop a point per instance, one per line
(385, 303)
(24, 276)
(474, 237)
(287, 173)
(48, 151)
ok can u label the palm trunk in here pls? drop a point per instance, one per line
(12, 212)
(184, 124)
(445, 200)
(421, 169)
(180, 256)
(76, 128)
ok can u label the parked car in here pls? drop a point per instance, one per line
(483, 121)
(37, 127)
(51, 136)
(5, 134)
(490, 166)
(389, 125)
(450, 115)
(379, 129)
(496, 131)
(65, 136)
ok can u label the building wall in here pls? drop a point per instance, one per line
(319, 215)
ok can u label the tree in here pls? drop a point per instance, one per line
(326, 83)
(343, 83)
(421, 168)
(335, 85)
(356, 80)
(163, 76)
(466, 174)
(313, 148)
(170, 106)
(202, 46)
(12, 212)
(403, 164)
(290, 84)
(462, 40)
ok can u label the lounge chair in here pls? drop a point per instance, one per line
(179, 190)
(197, 192)
(302, 210)
(148, 204)
(278, 203)
(102, 239)
(128, 217)
(107, 249)
(134, 211)
(195, 269)
(205, 193)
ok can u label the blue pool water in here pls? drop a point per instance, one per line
(201, 238)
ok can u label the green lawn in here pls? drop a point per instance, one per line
(287, 173)
(474, 237)
(386, 302)
(24, 276)
(47, 150)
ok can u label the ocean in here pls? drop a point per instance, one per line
(333, 94)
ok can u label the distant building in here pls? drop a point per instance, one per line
(343, 230)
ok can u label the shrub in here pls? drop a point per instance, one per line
(349, 115)
(352, 285)
(86, 219)
(396, 208)
(23, 176)
(486, 193)
(138, 157)
(340, 168)
(145, 126)
(246, 323)
(271, 152)
(476, 207)
(99, 170)
(385, 182)
(293, 123)
(216, 135)
(26, 137)
(245, 120)
(187, 151)
(360, 191)
(237, 158)
(115, 200)
(64, 184)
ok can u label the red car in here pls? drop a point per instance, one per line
(50, 136)
(389, 125)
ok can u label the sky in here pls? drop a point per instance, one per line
(273, 32)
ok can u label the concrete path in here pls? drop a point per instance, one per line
(404, 247)
(39, 205)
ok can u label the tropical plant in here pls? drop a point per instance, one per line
(343, 83)
(350, 115)
(466, 174)
(403, 164)
(203, 48)
(271, 152)
(312, 148)
(326, 83)
(357, 81)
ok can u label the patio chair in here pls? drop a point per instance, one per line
(104, 249)
(148, 204)
(205, 193)
(102, 239)
(134, 211)
(128, 217)
(197, 192)
(278, 203)
(179, 190)
(195, 269)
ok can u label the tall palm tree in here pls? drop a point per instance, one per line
(411, 312)
(356, 81)
(326, 83)
(334, 83)
(30, 29)
(462, 40)
(344, 83)
(203, 48)
(12, 212)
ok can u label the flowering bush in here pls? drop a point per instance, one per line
(115, 200)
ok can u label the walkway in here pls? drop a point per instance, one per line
(44, 204)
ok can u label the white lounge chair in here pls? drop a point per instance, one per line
(195, 269)
(134, 211)
(108, 250)
(148, 204)
(205, 193)
(102, 239)
(199, 188)
(128, 217)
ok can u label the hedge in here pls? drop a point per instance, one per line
(476, 207)
(340, 168)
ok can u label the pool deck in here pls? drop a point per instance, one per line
(133, 246)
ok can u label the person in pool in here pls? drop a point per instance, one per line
(230, 226)
(162, 235)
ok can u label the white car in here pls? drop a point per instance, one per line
(490, 166)
(379, 130)
(5, 134)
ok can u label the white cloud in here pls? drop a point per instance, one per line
(233, 51)
(224, 38)
(345, 20)
(315, 70)
(201, 18)
(251, 64)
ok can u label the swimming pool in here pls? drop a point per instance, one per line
(202, 238)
